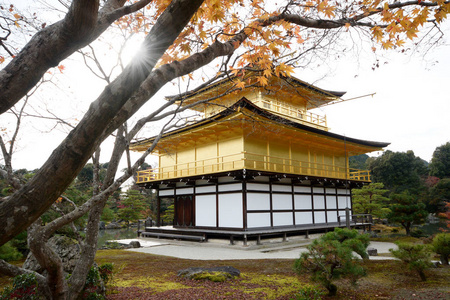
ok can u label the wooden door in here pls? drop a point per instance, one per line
(184, 215)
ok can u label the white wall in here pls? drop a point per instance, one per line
(230, 210)
(255, 220)
(258, 201)
(205, 210)
(283, 219)
(281, 201)
(302, 218)
(302, 201)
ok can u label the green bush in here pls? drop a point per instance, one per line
(309, 292)
(106, 272)
(331, 257)
(24, 287)
(441, 245)
(9, 253)
(93, 289)
(417, 257)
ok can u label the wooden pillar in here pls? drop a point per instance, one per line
(158, 211)
(139, 228)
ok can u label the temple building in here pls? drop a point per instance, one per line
(257, 161)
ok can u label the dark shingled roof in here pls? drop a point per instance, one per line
(291, 80)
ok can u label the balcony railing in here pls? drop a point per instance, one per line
(298, 115)
(252, 161)
(301, 116)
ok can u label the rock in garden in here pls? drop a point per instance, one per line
(113, 225)
(216, 274)
(66, 248)
(372, 252)
(135, 244)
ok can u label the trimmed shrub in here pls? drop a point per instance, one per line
(416, 257)
(331, 257)
(441, 245)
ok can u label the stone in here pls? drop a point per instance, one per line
(101, 225)
(135, 244)
(372, 252)
(223, 273)
(113, 225)
(66, 248)
(148, 222)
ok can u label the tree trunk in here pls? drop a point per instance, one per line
(422, 275)
(444, 259)
(26, 205)
(407, 228)
(332, 289)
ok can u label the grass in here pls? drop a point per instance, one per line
(147, 276)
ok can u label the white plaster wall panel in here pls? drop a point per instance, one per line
(258, 187)
(283, 219)
(230, 210)
(230, 187)
(331, 201)
(332, 216)
(341, 213)
(319, 217)
(205, 189)
(205, 210)
(342, 201)
(302, 201)
(258, 201)
(281, 188)
(255, 220)
(319, 202)
(302, 218)
(343, 191)
(166, 192)
(330, 191)
(281, 201)
(318, 190)
(302, 189)
(185, 191)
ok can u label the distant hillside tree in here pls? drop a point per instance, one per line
(440, 162)
(358, 161)
(438, 195)
(399, 171)
(131, 206)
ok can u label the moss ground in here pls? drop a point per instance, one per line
(146, 276)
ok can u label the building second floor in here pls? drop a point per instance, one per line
(247, 137)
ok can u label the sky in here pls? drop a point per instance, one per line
(409, 109)
(411, 105)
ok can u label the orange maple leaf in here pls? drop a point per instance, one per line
(61, 68)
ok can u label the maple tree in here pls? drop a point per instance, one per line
(182, 36)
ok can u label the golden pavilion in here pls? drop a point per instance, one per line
(258, 160)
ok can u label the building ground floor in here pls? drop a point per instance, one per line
(243, 204)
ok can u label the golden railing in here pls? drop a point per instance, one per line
(253, 162)
(301, 116)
